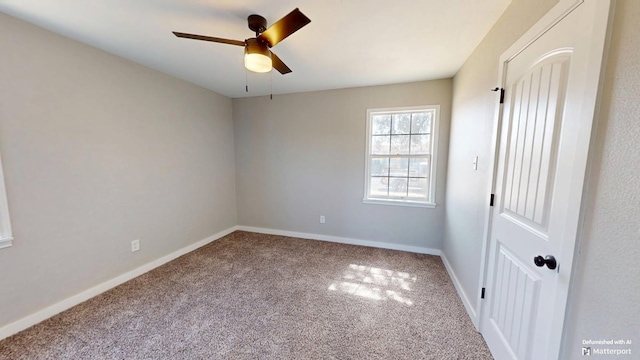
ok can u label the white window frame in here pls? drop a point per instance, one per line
(6, 238)
(431, 202)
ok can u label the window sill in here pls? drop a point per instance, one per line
(399, 203)
(6, 242)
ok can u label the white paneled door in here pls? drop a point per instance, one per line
(549, 104)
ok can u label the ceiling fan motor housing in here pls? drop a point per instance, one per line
(257, 23)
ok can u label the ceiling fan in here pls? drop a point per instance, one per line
(257, 56)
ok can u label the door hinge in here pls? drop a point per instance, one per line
(501, 94)
(491, 200)
(482, 294)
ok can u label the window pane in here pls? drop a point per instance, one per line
(419, 188)
(381, 124)
(397, 186)
(421, 123)
(380, 144)
(401, 123)
(378, 186)
(400, 154)
(400, 144)
(379, 167)
(420, 144)
(419, 167)
(399, 167)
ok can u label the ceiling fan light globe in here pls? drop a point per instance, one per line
(259, 63)
(257, 57)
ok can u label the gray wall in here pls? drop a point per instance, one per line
(606, 291)
(99, 151)
(472, 121)
(300, 156)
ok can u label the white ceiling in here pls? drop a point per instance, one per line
(348, 43)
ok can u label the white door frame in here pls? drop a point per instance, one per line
(555, 15)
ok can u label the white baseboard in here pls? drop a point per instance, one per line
(342, 240)
(461, 293)
(74, 300)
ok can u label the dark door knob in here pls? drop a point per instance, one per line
(548, 260)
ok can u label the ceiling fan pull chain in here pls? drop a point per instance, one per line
(246, 80)
(271, 85)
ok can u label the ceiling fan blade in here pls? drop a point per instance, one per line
(284, 27)
(209, 38)
(279, 65)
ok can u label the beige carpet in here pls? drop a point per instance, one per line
(252, 296)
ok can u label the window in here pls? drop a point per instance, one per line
(401, 156)
(5, 225)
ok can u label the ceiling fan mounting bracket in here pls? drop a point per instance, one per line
(257, 23)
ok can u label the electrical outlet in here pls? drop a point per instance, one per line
(135, 245)
(322, 219)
